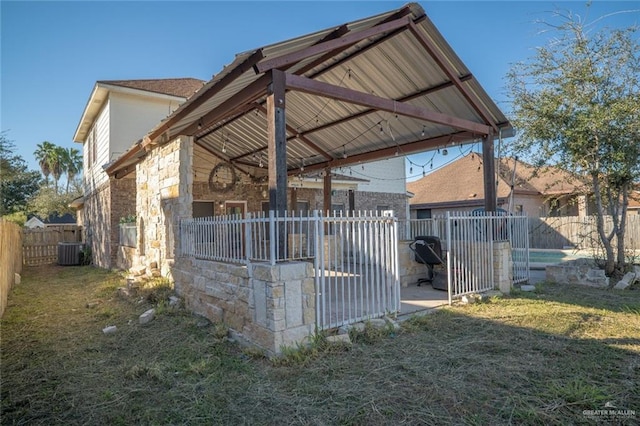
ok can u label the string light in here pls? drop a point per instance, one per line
(423, 127)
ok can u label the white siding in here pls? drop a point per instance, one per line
(384, 176)
(132, 117)
(94, 174)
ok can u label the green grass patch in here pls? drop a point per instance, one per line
(527, 359)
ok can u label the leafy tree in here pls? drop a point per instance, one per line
(576, 104)
(17, 183)
(48, 201)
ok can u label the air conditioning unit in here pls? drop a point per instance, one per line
(69, 253)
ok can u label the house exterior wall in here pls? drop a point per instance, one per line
(102, 211)
(123, 119)
(386, 176)
(123, 203)
(131, 118)
(94, 175)
(97, 214)
(533, 205)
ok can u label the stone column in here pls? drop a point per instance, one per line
(502, 266)
(283, 304)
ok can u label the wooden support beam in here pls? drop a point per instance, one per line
(305, 140)
(218, 156)
(332, 54)
(238, 115)
(406, 149)
(277, 145)
(489, 174)
(439, 58)
(415, 95)
(326, 191)
(317, 49)
(249, 94)
(319, 88)
(191, 106)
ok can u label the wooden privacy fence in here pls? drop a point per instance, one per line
(574, 231)
(10, 259)
(40, 246)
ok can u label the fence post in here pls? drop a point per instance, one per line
(449, 249)
(272, 238)
(248, 238)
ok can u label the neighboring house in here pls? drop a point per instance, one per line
(458, 186)
(634, 203)
(34, 222)
(117, 113)
(52, 220)
(55, 219)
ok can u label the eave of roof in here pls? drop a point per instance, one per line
(177, 89)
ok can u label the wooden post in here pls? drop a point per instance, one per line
(326, 195)
(277, 151)
(489, 174)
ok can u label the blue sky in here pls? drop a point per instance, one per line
(53, 52)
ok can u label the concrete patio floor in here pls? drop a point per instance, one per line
(416, 298)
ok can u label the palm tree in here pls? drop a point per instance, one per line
(43, 154)
(72, 164)
(56, 163)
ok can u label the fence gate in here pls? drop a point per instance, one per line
(356, 269)
(470, 243)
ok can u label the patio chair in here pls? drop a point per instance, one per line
(427, 250)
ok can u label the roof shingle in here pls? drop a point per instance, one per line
(462, 180)
(182, 87)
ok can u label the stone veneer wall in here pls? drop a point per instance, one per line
(164, 179)
(253, 195)
(369, 201)
(250, 193)
(270, 306)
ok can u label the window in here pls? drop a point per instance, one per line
(302, 208)
(423, 214)
(554, 208)
(384, 210)
(203, 209)
(337, 210)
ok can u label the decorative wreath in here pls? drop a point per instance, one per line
(222, 178)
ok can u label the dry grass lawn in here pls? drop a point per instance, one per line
(539, 358)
